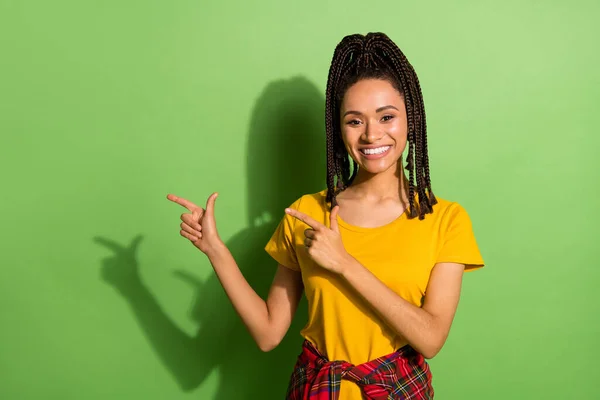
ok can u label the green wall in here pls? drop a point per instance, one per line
(106, 106)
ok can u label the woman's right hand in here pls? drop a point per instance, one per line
(199, 226)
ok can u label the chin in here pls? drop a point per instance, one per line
(375, 171)
(378, 166)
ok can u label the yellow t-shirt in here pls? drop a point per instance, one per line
(401, 254)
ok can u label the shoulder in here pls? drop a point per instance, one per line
(449, 212)
(444, 206)
(311, 203)
(314, 205)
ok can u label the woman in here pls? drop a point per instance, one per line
(379, 258)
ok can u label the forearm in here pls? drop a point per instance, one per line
(251, 308)
(420, 328)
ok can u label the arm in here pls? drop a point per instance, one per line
(267, 321)
(426, 328)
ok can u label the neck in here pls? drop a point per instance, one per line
(390, 184)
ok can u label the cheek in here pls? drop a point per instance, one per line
(400, 134)
(348, 139)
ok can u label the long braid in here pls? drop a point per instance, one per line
(342, 60)
(376, 56)
(411, 185)
(430, 196)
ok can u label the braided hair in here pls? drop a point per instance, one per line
(376, 56)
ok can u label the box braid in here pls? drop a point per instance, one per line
(376, 56)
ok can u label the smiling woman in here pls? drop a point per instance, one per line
(378, 256)
(374, 126)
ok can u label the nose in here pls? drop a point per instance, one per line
(371, 133)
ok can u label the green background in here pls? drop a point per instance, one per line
(106, 106)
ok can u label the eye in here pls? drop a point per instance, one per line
(353, 122)
(387, 118)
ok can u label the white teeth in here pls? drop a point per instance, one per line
(378, 150)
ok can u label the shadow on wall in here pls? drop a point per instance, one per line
(285, 159)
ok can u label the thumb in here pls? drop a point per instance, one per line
(333, 219)
(210, 204)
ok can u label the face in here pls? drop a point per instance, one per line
(373, 124)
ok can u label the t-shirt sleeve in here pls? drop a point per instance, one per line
(458, 240)
(281, 245)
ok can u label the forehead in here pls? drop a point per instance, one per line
(371, 93)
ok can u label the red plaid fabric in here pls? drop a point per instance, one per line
(403, 374)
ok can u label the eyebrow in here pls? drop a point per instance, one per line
(380, 109)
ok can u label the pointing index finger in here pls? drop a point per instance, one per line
(304, 218)
(183, 202)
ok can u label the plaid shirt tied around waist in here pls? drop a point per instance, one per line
(403, 374)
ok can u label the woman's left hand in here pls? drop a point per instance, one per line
(324, 245)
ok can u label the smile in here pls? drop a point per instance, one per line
(375, 151)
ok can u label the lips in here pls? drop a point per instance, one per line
(375, 150)
(374, 153)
